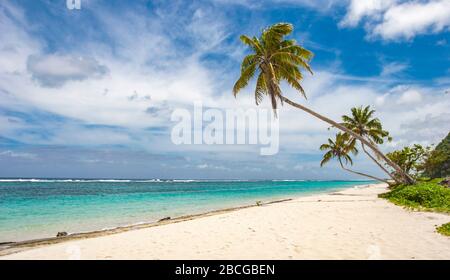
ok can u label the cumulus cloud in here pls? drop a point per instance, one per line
(358, 9)
(397, 20)
(410, 96)
(409, 19)
(54, 70)
(429, 129)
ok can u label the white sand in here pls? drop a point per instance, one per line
(354, 224)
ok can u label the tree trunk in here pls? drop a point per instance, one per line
(407, 179)
(379, 164)
(362, 174)
(271, 84)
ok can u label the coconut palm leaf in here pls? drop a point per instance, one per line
(273, 59)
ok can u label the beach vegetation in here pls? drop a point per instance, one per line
(410, 158)
(444, 229)
(437, 162)
(424, 195)
(273, 59)
(420, 162)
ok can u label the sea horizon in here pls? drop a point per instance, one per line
(75, 179)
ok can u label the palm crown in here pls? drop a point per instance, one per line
(273, 59)
(363, 124)
(340, 148)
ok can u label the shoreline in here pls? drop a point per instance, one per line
(33, 242)
(144, 211)
(300, 218)
(7, 248)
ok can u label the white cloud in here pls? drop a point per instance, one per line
(146, 73)
(407, 20)
(358, 9)
(211, 166)
(21, 155)
(410, 96)
(55, 70)
(207, 29)
(397, 20)
(393, 68)
(15, 43)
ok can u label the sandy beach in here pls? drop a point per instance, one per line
(349, 224)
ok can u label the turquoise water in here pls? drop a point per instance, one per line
(32, 209)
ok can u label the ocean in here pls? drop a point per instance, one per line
(39, 208)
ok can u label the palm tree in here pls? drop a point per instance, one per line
(340, 148)
(365, 125)
(274, 59)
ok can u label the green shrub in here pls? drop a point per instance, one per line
(429, 196)
(444, 229)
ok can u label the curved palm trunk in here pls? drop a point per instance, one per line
(379, 164)
(407, 179)
(362, 174)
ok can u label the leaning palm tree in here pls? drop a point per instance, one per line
(340, 148)
(365, 125)
(274, 59)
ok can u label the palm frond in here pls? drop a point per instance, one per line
(289, 75)
(273, 59)
(326, 158)
(273, 35)
(261, 88)
(252, 43)
(324, 147)
(245, 77)
(247, 61)
(287, 57)
(364, 124)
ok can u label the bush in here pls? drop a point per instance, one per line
(429, 196)
(444, 229)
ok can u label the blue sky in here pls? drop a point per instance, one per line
(89, 92)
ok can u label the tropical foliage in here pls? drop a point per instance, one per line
(418, 161)
(437, 163)
(340, 148)
(362, 122)
(410, 159)
(425, 195)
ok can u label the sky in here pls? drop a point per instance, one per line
(89, 93)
